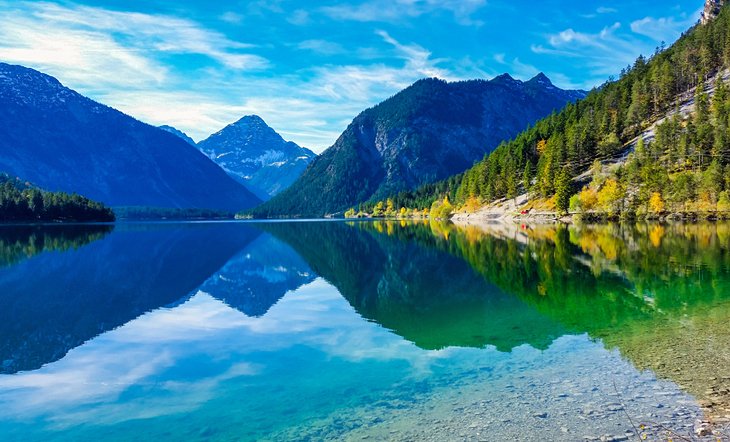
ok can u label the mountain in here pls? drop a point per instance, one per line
(429, 131)
(256, 156)
(62, 141)
(179, 133)
(656, 142)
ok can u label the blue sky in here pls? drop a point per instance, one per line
(309, 67)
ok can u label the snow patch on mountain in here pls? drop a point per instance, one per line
(254, 154)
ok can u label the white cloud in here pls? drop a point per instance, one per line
(94, 49)
(516, 67)
(146, 33)
(79, 56)
(312, 113)
(418, 60)
(523, 70)
(602, 53)
(663, 28)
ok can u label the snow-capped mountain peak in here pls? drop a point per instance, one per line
(256, 155)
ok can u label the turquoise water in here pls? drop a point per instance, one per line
(365, 331)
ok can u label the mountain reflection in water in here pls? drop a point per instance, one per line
(659, 294)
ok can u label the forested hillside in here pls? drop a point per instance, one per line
(682, 167)
(22, 202)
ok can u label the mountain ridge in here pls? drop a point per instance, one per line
(63, 141)
(427, 132)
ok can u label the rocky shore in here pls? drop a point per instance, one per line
(515, 210)
(603, 399)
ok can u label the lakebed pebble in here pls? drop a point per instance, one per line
(612, 402)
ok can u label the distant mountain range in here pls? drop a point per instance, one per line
(427, 132)
(255, 155)
(62, 141)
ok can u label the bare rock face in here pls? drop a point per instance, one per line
(712, 9)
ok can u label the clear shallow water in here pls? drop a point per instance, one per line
(379, 331)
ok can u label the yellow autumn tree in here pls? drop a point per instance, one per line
(609, 197)
(588, 199)
(389, 208)
(656, 203)
(441, 209)
(472, 204)
(446, 208)
(378, 209)
(541, 147)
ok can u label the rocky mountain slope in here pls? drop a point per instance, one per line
(62, 141)
(425, 133)
(255, 155)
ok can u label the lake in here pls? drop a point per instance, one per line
(363, 331)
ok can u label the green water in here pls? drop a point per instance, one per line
(363, 331)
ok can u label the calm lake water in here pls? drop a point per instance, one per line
(363, 331)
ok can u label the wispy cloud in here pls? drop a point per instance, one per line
(82, 56)
(300, 17)
(95, 48)
(146, 33)
(516, 67)
(662, 28)
(418, 60)
(603, 53)
(602, 10)
(232, 17)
